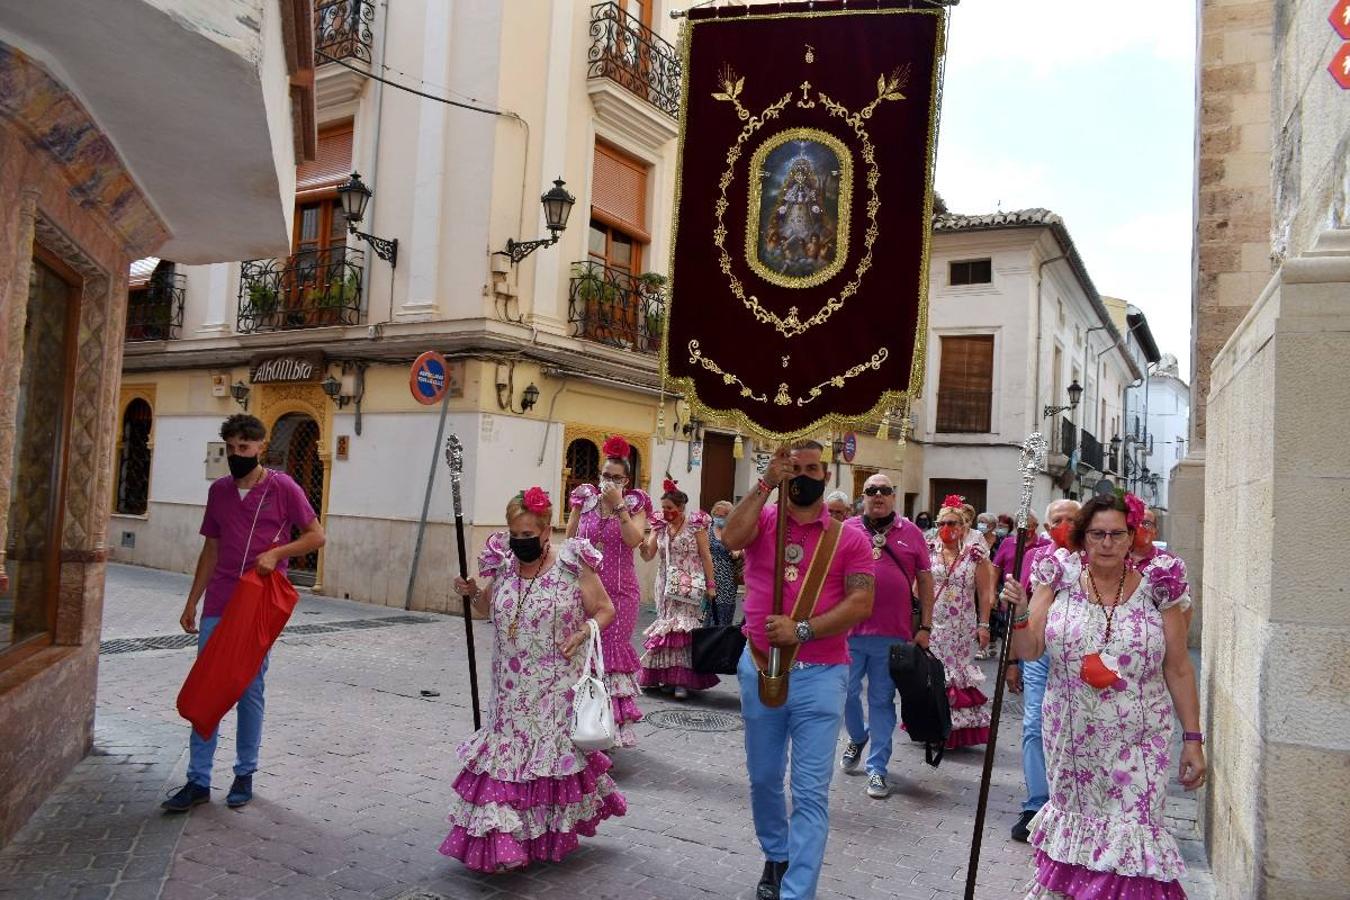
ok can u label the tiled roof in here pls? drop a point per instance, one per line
(1038, 217)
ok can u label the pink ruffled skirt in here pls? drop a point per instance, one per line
(499, 825)
(668, 662)
(1057, 879)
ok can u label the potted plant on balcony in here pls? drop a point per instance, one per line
(596, 296)
(263, 301)
(652, 288)
(334, 298)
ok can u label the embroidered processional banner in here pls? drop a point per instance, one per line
(804, 198)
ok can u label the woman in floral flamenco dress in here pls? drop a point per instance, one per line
(1119, 672)
(963, 579)
(684, 582)
(613, 518)
(526, 791)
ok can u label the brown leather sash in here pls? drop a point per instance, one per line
(773, 690)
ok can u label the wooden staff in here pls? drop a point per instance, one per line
(1033, 458)
(773, 682)
(454, 458)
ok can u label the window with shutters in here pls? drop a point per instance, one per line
(966, 383)
(618, 209)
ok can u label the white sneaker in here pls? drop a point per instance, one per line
(877, 788)
(681, 693)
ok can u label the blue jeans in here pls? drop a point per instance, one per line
(1034, 674)
(248, 735)
(871, 658)
(809, 721)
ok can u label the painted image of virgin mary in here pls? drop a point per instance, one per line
(799, 208)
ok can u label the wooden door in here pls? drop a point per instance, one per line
(719, 470)
(975, 492)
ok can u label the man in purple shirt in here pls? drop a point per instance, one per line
(247, 524)
(901, 562)
(809, 720)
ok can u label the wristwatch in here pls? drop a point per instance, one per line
(804, 631)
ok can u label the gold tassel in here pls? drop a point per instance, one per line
(827, 455)
(661, 422)
(738, 447)
(884, 432)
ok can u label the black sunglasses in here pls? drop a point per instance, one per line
(878, 489)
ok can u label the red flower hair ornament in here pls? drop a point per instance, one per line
(953, 501)
(670, 485)
(1134, 511)
(536, 500)
(615, 447)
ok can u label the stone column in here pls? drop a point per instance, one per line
(1277, 596)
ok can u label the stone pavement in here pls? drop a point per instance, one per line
(355, 779)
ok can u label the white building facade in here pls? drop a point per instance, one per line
(1014, 321)
(1167, 414)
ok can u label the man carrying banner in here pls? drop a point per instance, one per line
(247, 514)
(809, 720)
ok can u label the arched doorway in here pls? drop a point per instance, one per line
(294, 448)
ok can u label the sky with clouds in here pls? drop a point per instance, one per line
(1086, 108)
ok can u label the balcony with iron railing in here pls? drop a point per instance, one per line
(615, 307)
(1068, 436)
(155, 311)
(311, 289)
(627, 52)
(1092, 451)
(342, 30)
(964, 411)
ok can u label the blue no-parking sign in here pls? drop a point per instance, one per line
(430, 378)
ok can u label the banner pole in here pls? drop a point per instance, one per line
(1033, 458)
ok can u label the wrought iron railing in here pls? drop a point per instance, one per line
(633, 56)
(1092, 451)
(155, 312)
(616, 307)
(964, 411)
(311, 289)
(342, 29)
(1068, 436)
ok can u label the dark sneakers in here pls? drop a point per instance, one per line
(188, 796)
(240, 792)
(769, 882)
(852, 757)
(1021, 832)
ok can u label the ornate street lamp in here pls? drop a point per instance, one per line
(557, 203)
(1075, 394)
(355, 197)
(239, 391)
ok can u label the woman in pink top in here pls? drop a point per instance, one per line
(613, 517)
(962, 578)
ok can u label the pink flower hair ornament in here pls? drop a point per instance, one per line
(1133, 508)
(953, 501)
(670, 485)
(536, 500)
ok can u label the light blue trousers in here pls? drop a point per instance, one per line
(871, 659)
(809, 723)
(248, 734)
(1034, 675)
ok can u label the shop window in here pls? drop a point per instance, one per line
(581, 466)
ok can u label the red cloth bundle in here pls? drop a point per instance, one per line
(257, 612)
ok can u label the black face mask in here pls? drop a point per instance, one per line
(241, 466)
(805, 490)
(527, 549)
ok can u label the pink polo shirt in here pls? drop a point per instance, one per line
(280, 504)
(852, 557)
(892, 610)
(1007, 555)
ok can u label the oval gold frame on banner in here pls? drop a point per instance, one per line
(844, 211)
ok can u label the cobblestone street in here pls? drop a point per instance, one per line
(355, 779)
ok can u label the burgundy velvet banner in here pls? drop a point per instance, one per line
(799, 264)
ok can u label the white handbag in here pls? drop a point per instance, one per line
(592, 713)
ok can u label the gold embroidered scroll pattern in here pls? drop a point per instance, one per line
(783, 396)
(888, 88)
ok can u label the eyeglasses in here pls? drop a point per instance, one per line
(950, 524)
(878, 489)
(1151, 526)
(613, 479)
(1098, 536)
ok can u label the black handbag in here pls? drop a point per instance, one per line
(717, 650)
(921, 681)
